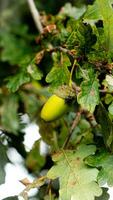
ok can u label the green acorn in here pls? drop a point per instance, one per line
(54, 108)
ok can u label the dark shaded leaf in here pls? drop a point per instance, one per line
(11, 198)
(31, 104)
(14, 49)
(35, 161)
(3, 162)
(103, 119)
(104, 196)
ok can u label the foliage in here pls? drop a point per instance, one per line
(72, 58)
(104, 160)
(74, 174)
(89, 96)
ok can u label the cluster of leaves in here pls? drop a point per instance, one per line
(72, 58)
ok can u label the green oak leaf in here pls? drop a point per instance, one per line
(103, 160)
(14, 82)
(77, 180)
(102, 10)
(88, 98)
(10, 118)
(72, 11)
(14, 48)
(59, 74)
(110, 108)
(108, 98)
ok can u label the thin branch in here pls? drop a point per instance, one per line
(74, 124)
(35, 184)
(105, 91)
(35, 15)
(62, 49)
(91, 118)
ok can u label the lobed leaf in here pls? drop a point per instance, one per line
(59, 74)
(14, 82)
(102, 10)
(88, 98)
(77, 180)
(104, 161)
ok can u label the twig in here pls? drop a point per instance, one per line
(36, 183)
(35, 15)
(91, 118)
(62, 49)
(105, 91)
(74, 124)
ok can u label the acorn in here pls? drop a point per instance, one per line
(54, 108)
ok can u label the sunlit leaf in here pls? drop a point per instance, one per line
(72, 11)
(77, 180)
(34, 71)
